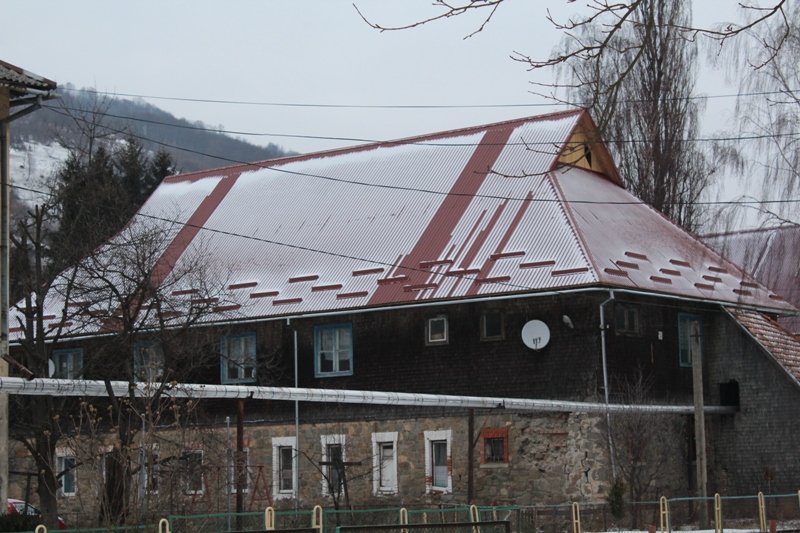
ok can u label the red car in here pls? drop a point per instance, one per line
(20, 507)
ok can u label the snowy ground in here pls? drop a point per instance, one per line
(33, 166)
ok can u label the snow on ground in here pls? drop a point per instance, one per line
(32, 166)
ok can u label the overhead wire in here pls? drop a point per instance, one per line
(279, 168)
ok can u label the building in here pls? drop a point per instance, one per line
(504, 260)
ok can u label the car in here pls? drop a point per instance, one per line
(21, 507)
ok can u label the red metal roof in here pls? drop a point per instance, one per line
(477, 212)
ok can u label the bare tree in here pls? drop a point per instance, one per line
(649, 115)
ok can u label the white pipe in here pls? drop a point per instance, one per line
(603, 327)
(69, 387)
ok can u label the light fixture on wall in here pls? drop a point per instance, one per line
(567, 321)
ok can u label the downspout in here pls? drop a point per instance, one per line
(296, 454)
(603, 327)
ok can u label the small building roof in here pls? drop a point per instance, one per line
(517, 207)
(778, 342)
(771, 255)
(21, 82)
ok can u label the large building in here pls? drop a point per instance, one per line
(504, 260)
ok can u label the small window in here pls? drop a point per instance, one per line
(627, 320)
(152, 472)
(68, 364)
(492, 326)
(333, 459)
(436, 330)
(233, 470)
(148, 362)
(438, 462)
(238, 361)
(685, 322)
(284, 465)
(494, 446)
(384, 465)
(333, 350)
(66, 469)
(191, 463)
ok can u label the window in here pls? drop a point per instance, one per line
(626, 320)
(238, 362)
(66, 469)
(284, 467)
(152, 473)
(333, 458)
(148, 361)
(191, 463)
(494, 446)
(438, 467)
(492, 326)
(68, 364)
(384, 463)
(233, 470)
(333, 350)
(685, 322)
(436, 330)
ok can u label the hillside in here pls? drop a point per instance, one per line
(61, 120)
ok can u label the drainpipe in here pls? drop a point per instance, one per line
(296, 454)
(603, 327)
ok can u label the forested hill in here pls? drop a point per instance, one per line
(62, 119)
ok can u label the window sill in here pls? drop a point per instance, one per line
(386, 492)
(324, 375)
(494, 465)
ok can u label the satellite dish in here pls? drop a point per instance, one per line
(51, 368)
(535, 334)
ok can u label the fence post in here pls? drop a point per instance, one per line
(474, 517)
(316, 518)
(269, 518)
(717, 513)
(576, 518)
(663, 511)
(403, 519)
(762, 513)
(163, 526)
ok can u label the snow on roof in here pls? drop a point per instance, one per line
(20, 80)
(478, 212)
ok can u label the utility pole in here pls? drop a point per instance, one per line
(699, 422)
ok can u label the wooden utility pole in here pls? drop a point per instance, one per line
(699, 421)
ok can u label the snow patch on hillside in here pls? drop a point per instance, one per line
(32, 167)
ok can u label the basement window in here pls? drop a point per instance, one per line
(191, 463)
(436, 330)
(494, 446)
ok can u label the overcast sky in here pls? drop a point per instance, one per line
(292, 52)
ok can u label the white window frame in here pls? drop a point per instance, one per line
(61, 456)
(74, 357)
(429, 340)
(277, 444)
(241, 359)
(232, 472)
(431, 437)
(325, 441)
(378, 439)
(337, 328)
(186, 473)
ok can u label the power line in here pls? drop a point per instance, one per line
(279, 168)
(729, 138)
(407, 106)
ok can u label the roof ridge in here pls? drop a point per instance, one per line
(267, 163)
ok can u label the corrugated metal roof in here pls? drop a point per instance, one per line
(20, 80)
(781, 344)
(771, 255)
(475, 212)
